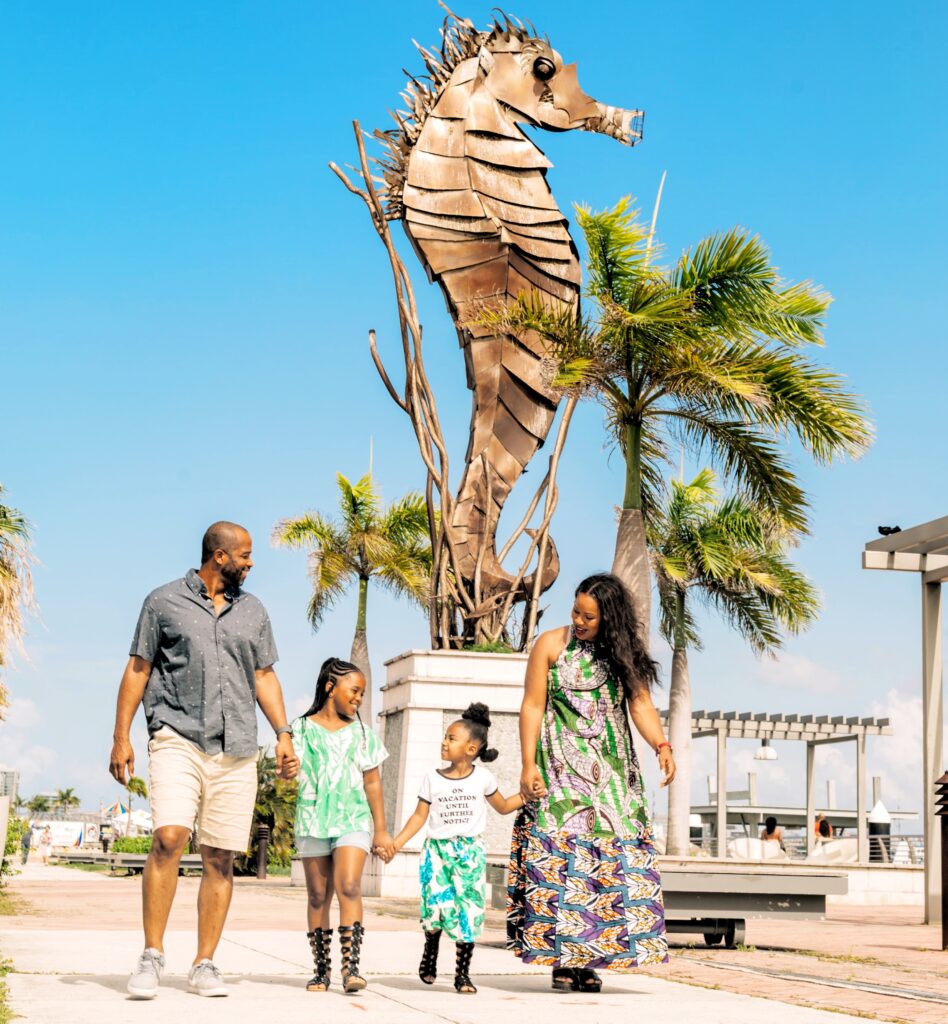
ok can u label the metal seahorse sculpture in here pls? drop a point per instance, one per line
(470, 188)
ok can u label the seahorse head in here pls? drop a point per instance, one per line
(519, 69)
(529, 77)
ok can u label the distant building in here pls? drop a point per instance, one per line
(9, 782)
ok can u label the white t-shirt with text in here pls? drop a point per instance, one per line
(458, 806)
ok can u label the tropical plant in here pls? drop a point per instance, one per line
(64, 800)
(390, 545)
(709, 354)
(274, 807)
(38, 804)
(15, 829)
(16, 583)
(731, 555)
(136, 786)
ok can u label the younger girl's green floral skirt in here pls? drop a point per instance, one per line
(452, 887)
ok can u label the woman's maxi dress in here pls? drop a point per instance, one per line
(583, 886)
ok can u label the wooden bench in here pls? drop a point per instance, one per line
(134, 863)
(715, 898)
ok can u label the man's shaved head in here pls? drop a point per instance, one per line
(221, 536)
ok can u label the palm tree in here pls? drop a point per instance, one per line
(38, 805)
(709, 354)
(368, 542)
(16, 584)
(65, 799)
(275, 807)
(136, 786)
(730, 554)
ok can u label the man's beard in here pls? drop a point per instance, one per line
(233, 576)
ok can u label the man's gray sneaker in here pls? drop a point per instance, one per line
(143, 984)
(205, 979)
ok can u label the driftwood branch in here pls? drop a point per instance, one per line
(481, 617)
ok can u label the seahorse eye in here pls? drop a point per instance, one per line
(544, 69)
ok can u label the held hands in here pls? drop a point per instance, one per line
(383, 846)
(667, 764)
(122, 756)
(531, 784)
(287, 763)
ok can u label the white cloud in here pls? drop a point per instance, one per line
(796, 672)
(22, 714)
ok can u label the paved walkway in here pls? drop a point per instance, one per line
(78, 938)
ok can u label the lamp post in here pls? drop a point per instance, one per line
(941, 810)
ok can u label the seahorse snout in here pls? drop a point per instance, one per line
(624, 126)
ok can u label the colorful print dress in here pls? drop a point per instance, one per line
(583, 886)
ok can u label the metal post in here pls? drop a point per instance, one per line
(862, 836)
(722, 792)
(932, 717)
(810, 796)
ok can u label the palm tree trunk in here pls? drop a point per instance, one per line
(630, 562)
(679, 735)
(360, 651)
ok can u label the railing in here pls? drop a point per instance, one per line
(897, 851)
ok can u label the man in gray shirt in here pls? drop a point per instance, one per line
(201, 660)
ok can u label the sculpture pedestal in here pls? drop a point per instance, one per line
(424, 692)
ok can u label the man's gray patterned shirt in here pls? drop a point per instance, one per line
(203, 677)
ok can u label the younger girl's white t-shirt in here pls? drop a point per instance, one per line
(458, 807)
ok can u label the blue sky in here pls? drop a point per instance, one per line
(185, 291)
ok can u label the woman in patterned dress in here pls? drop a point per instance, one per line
(584, 891)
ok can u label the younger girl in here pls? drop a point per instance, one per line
(338, 807)
(453, 801)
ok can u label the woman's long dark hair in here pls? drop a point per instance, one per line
(619, 642)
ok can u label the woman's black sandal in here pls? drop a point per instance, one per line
(428, 968)
(588, 980)
(350, 941)
(320, 942)
(462, 977)
(565, 979)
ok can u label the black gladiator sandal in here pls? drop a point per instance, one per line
(320, 942)
(350, 942)
(462, 977)
(428, 968)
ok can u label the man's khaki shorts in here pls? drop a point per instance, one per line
(213, 794)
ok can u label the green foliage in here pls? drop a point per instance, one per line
(709, 353)
(16, 583)
(730, 553)
(388, 545)
(131, 844)
(11, 848)
(65, 799)
(39, 805)
(490, 647)
(275, 806)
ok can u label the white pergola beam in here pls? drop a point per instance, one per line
(904, 561)
(919, 539)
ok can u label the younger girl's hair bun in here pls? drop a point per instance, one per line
(488, 754)
(479, 714)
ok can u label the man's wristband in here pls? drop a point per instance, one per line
(281, 729)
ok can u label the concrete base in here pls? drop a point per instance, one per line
(423, 693)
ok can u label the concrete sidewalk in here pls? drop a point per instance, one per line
(75, 942)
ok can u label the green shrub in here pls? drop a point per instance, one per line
(490, 647)
(131, 844)
(11, 850)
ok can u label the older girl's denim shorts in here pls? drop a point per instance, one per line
(316, 846)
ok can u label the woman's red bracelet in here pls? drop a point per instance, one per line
(665, 743)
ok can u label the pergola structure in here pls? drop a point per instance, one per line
(924, 549)
(814, 730)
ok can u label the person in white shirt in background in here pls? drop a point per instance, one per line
(453, 803)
